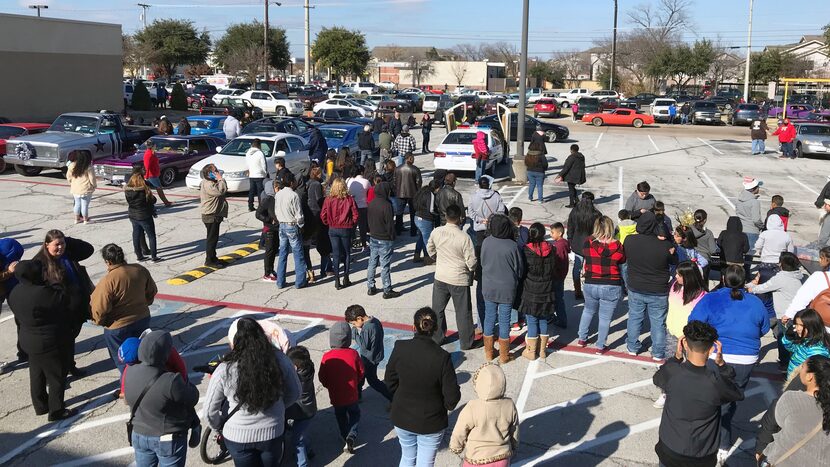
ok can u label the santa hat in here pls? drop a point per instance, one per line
(751, 183)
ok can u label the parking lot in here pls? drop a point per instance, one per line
(576, 408)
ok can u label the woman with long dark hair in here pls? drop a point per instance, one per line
(340, 214)
(581, 226)
(421, 377)
(141, 210)
(741, 320)
(248, 394)
(61, 257)
(804, 419)
(537, 293)
(81, 184)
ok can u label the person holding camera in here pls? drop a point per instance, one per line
(214, 208)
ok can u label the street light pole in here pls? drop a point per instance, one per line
(266, 55)
(614, 48)
(519, 171)
(307, 64)
(748, 55)
(144, 8)
(38, 8)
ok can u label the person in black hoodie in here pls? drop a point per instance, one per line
(733, 243)
(382, 240)
(166, 408)
(46, 335)
(141, 210)
(573, 173)
(270, 229)
(316, 196)
(649, 259)
(366, 144)
(696, 387)
(301, 412)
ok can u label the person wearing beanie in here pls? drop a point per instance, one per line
(748, 209)
(341, 372)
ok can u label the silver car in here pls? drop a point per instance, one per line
(812, 139)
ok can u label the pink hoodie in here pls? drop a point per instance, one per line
(480, 148)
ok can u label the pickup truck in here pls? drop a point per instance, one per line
(229, 105)
(99, 134)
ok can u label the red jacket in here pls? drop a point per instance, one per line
(786, 133)
(341, 371)
(151, 164)
(480, 149)
(561, 249)
(339, 213)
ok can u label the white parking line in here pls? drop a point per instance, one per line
(715, 187)
(803, 185)
(707, 143)
(653, 143)
(598, 140)
(6, 318)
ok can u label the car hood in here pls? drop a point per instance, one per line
(335, 143)
(223, 162)
(53, 137)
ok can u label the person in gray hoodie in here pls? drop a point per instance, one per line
(166, 408)
(748, 209)
(770, 244)
(248, 394)
(484, 203)
(824, 224)
(640, 201)
(502, 266)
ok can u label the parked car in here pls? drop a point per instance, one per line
(15, 130)
(100, 134)
(432, 102)
(226, 92)
(175, 153)
(455, 153)
(274, 103)
(625, 117)
(230, 105)
(471, 103)
(512, 100)
(362, 101)
(194, 101)
(341, 114)
(587, 105)
(605, 93)
(291, 125)
(567, 98)
(309, 97)
(723, 103)
(793, 110)
(608, 103)
(402, 106)
(705, 112)
(413, 98)
(644, 98)
(387, 85)
(629, 104)
(342, 104)
(128, 94)
(744, 114)
(207, 125)
(546, 107)
(207, 90)
(362, 87)
(812, 139)
(659, 109)
(553, 131)
(532, 95)
(492, 104)
(378, 98)
(340, 135)
(230, 160)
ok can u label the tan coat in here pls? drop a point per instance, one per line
(123, 296)
(488, 426)
(212, 197)
(454, 253)
(83, 185)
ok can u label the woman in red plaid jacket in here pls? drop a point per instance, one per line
(603, 288)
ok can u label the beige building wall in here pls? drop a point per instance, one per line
(473, 75)
(51, 66)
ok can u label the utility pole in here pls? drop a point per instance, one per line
(144, 8)
(307, 64)
(265, 50)
(614, 49)
(38, 8)
(519, 170)
(748, 55)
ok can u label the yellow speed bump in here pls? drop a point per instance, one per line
(202, 271)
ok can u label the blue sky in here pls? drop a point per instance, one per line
(555, 25)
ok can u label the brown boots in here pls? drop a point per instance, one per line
(504, 351)
(543, 346)
(489, 352)
(531, 344)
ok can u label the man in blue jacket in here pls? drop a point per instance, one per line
(317, 146)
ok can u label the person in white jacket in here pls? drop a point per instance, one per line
(817, 283)
(231, 127)
(769, 246)
(257, 172)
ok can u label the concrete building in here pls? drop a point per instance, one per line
(811, 48)
(471, 75)
(52, 66)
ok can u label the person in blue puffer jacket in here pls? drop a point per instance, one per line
(11, 251)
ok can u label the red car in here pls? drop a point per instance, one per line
(194, 101)
(619, 117)
(546, 107)
(609, 103)
(13, 130)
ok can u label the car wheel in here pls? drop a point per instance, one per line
(281, 111)
(552, 136)
(2, 165)
(27, 171)
(638, 123)
(168, 176)
(799, 151)
(596, 121)
(565, 105)
(194, 105)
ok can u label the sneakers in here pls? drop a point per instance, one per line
(582, 343)
(62, 415)
(349, 447)
(269, 278)
(633, 354)
(603, 350)
(215, 264)
(658, 359)
(142, 259)
(723, 454)
(660, 402)
(391, 294)
(156, 259)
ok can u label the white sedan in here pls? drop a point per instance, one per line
(231, 159)
(342, 103)
(455, 153)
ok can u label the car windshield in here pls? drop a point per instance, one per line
(260, 127)
(432, 98)
(659, 103)
(240, 146)
(10, 131)
(460, 138)
(75, 124)
(816, 130)
(167, 145)
(333, 133)
(204, 124)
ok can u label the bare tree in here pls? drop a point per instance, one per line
(420, 68)
(395, 53)
(131, 55)
(469, 52)
(248, 61)
(662, 20)
(572, 64)
(459, 70)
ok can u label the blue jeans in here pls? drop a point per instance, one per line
(656, 306)
(341, 250)
(787, 150)
(256, 454)
(497, 311)
(535, 180)
(418, 450)
(425, 228)
(577, 268)
(380, 252)
(115, 337)
(290, 235)
(600, 299)
(81, 206)
(481, 164)
(536, 326)
(299, 442)
(150, 451)
(624, 273)
(370, 375)
(348, 416)
(758, 146)
(684, 119)
(141, 228)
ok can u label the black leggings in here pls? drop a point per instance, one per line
(48, 370)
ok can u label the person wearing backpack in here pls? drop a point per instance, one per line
(537, 165)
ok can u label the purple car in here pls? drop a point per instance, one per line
(175, 153)
(793, 111)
